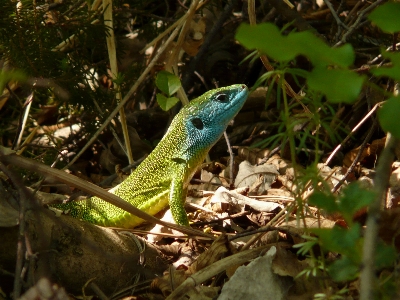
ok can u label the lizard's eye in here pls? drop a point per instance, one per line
(222, 98)
(198, 123)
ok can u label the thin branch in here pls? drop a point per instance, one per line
(9, 158)
(356, 159)
(351, 133)
(127, 96)
(358, 23)
(334, 14)
(368, 278)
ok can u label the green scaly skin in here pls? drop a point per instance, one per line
(162, 178)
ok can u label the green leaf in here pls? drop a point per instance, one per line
(386, 17)
(354, 198)
(343, 269)
(388, 116)
(305, 247)
(344, 241)
(385, 255)
(168, 83)
(166, 103)
(393, 71)
(339, 86)
(324, 201)
(267, 38)
(319, 52)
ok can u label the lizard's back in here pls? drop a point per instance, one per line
(162, 176)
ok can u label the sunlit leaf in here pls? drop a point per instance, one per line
(354, 198)
(168, 83)
(387, 17)
(165, 102)
(339, 86)
(324, 201)
(388, 116)
(267, 38)
(343, 269)
(342, 240)
(392, 71)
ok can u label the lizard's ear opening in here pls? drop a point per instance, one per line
(222, 98)
(198, 123)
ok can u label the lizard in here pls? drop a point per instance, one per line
(163, 177)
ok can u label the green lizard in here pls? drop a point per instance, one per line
(162, 178)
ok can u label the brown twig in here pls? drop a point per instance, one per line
(126, 97)
(90, 188)
(358, 23)
(357, 158)
(352, 132)
(288, 89)
(367, 277)
(232, 157)
(207, 42)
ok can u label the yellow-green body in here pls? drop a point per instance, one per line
(162, 178)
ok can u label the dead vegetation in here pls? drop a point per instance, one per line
(308, 208)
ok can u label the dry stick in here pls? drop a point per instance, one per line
(127, 96)
(388, 49)
(265, 230)
(132, 90)
(292, 15)
(232, 157)
(173, 58)
(28, 140)
(351, 133)
(290, 92)
(112, 54)
(334, 14)
(383, 168)
(279, 216)
(216, 268)
(358, 23)
(288, 89)
(96, 4)
(168, 30)
(278, 148)
(356, 159)
(68, 42)
(256, 237)
(354, 9)
(90, 188)
(22, 123)
(342, 4)
(172, 62)
(163, 34)
(207, 42)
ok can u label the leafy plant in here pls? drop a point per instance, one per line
(330, 64)
(169, 84)
(330, 81)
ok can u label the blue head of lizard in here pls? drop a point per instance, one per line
(207, 117)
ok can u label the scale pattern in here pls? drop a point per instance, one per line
(162, 178)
